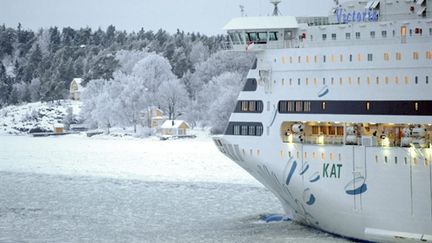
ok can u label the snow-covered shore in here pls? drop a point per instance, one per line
(19, 120)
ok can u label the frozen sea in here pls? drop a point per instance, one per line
(103, 189)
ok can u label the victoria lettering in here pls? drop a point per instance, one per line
(344, 17)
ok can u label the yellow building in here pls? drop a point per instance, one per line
(58, 128)
(174, 128)
(75, 89)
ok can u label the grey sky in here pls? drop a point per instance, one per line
(189, 15)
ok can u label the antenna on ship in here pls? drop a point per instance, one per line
(242, 10)
(276, 11)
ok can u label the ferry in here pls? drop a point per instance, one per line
(335, 117)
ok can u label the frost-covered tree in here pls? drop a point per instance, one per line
(35, 90)
(89, 99)
(127, 59)
(173, 98)
(153, 70)
(217, 100)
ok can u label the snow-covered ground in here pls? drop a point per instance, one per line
(105, 189)
(43, 115)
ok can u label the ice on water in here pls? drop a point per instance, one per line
(78, 189)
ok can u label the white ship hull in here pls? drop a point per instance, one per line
(354, 197)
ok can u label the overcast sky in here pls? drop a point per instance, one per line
(189, 15)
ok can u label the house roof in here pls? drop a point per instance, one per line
(262, 23)
(173, 124)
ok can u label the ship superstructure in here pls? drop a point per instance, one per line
(336, 116)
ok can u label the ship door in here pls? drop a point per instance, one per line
(403, 34)
(358, 185)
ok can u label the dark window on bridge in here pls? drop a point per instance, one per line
(251, 85)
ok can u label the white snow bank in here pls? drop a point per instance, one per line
(188, 160)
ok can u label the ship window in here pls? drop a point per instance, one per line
(298, 81)
(384, 34)
(259, 130)
(251, 85)
(307, 59)
(386, 159)
(415, 55)
(315, 130)
(386, 56)
(394, 33)
(299, 59)
(316, 59)
(416, 79)
(430, 31)
(372, 34)
(252, 131)
(350, 57)
(341, 58)
(244, 130)
(358, 80)
(387, 80)
(348, 36)
(324, 37)
(429, 55)
(416, 106)
(370, 57)
(359, 57)
(340, 131)
(333, 36)
(252, 105)
(397, 80)
(236, 130)
(407, 80)
(273, 36)
(324, 58)
(357, 35)
(396, 160)
(251, 37)
(377, 80)
(324, 81)
(398, 56)
(323, 105)
(255, 64)
(244, 106)
(262, 37)
(406, 160)
(331, 130)
(427, 79)
(331, 156)
(333, 58)
(367, 106)
(290, 81)
(341, 81)
(332, 81)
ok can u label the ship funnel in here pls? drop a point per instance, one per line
(276, 11)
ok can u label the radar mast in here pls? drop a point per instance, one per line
(276, 11)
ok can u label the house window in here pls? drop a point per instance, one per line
(333, 36)
(372, 34)
(348, 36)
(357, 35)
(384, 34)
(370, 57)
(324, 37)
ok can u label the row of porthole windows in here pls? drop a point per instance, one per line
(359, 57)
(332, 157)
(372, 34)
(350, 81)
(414, 161)
(314, 155)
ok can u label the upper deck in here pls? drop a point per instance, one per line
(352, 23)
